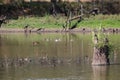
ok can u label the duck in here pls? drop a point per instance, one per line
(35, 43)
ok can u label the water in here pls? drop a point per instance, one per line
(54, 56)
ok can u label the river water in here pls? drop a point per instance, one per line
(54, 56)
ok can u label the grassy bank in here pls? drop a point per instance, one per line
(112, 21)
(48, 21)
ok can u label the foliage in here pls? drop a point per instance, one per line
(17, 7)
(103, 41)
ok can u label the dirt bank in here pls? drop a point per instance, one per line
(54, 30)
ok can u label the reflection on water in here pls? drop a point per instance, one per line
(49, 48)
(100, 72)
(61, 56)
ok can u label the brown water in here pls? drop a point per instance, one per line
(54, 56)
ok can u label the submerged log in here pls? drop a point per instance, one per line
(101, 53)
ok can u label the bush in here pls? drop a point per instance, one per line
(43, 8)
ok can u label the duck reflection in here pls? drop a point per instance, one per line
(100, 72)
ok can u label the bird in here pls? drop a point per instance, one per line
(35, 43)
(25, 27)
(95, 38)
(106, 40)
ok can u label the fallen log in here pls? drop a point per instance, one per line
(68, 22)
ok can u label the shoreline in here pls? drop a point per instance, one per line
(56, 30)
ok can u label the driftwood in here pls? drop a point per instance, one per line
(76, 17)
(75, 25)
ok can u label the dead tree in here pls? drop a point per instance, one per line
(67, 24)
(75, 25)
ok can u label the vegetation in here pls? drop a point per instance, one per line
(103, 41)
(102, 49)
(40, 14)
(103, 20)
(19, 7)
(49, 21)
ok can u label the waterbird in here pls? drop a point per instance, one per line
(57, 40)
(35, 43)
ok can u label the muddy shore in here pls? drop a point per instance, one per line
(54, 30)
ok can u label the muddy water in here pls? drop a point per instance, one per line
(54, 56)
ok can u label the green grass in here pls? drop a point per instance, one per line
(103, 20)
(52, 22)
(37, 22)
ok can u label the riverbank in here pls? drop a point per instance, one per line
(57, 30)
(49, 21)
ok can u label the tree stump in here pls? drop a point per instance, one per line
(100, 56)
(101, 52)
